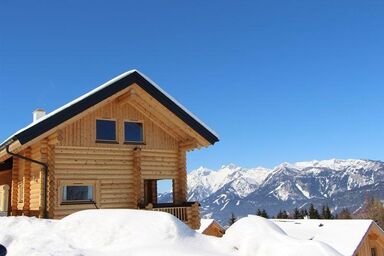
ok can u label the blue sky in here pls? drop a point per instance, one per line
(278, 80)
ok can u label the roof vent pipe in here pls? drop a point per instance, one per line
(38, 113)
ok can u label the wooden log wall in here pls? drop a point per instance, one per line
(159, 164)
(111, 170)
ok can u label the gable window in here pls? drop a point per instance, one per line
(105, 130)
(133, 132)
(78, 193)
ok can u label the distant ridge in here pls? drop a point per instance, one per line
(336, 182)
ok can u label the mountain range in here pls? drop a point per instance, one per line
(241, 191)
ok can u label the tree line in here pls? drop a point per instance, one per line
(372, 209)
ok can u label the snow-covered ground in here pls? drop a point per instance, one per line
(133, 232)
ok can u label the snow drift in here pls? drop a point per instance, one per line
(134, 232)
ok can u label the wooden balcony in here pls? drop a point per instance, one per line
(187, 212)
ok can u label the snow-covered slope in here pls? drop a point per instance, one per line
(203, 182)
(146, 233)
(338, 183)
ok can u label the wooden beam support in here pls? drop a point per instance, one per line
(27, 183)
(43, 159)
(15, 186)
(137, 175)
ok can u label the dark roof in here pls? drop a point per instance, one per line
(103, 92)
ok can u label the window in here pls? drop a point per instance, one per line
(76, 193)
(105, 130)
(133, 132)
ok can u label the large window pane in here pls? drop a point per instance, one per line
(77, 193)
(133, 132)
(106, 130)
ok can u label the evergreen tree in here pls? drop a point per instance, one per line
(313, 213)
(344, 214)
(304, 213)
(297, 214)
(326, 212)
(258, 212)
(282, 215)
(232, 219)
(264, 214)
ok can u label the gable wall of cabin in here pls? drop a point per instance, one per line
(117, 171)
(374, 239)
(83, 131)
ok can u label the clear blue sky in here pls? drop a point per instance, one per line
(278, 80)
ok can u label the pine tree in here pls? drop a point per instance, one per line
(297, 214)
(232, 219)
(344, 214)
(282, 215)
(264, 214)
(326, 212)
(313, 213)
(258, 212)
(304, 213)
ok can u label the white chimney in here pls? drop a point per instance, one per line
(38, 113)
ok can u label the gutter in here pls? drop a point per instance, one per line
(44, 168)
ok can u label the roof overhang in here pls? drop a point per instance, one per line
(100, 94)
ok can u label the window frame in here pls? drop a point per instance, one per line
(67, 183)
(115, 141)
(142, 131)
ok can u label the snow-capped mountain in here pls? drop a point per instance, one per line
(338, 183)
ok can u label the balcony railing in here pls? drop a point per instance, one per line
(187, 212)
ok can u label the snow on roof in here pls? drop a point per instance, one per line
(343, 235)
(97, 89)
(204, 224)
(254, 235)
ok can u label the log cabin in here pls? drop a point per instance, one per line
(106, 149)
(211, 227)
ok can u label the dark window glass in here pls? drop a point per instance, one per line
(106, 130)
(77, 193)
(133, 132)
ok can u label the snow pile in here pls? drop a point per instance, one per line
(142, 233)
(254, 235)
(105, 232)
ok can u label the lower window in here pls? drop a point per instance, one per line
(78, 193)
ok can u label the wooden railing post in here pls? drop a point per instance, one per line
(195, 221)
